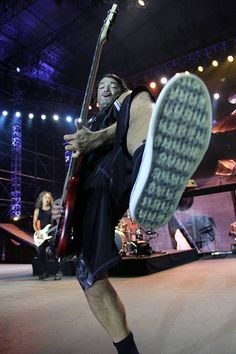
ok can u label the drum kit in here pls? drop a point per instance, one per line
(129, 238)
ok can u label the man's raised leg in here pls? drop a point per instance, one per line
(177, 139)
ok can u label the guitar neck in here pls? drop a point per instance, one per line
(102, 38)
(90, 85)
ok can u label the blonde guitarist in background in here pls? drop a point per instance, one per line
(42, 219)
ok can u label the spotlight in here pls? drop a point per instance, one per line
(187, 72)
(230, 58)
(232, 98)
(215, 63)
(200, 68)
(18, 69)
(68, 119)
(142, 3)
(163, 80)
(90, 107)
(153, 85)
(55, 117)
(4, 113)
(216, 96)
(97, 105)
(79, 120)
(43, 116)
(18, 114)
(31, 116)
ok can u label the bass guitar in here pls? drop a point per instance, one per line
(38, 241)
(64, 232)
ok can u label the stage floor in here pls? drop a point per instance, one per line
(134, 265)
(189, 309)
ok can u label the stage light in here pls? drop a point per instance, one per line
(16, 218)
(97, 105)
(90, 107)
(18, 114)
(187, 72)
(216, 96)
(55, 117)
(79, 120)
(200, 68)
(18, 69)
(43, 116)
(163, 80)
(230, 58)
(232, 98)
(69, 119)
(4, 113)
(153, 85)
(141, 3)
(215, 63)
(31, 115)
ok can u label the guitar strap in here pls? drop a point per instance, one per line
(106, 117)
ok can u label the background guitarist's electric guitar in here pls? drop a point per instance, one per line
(64, 232)
(38, 241)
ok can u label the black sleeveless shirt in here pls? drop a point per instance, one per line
(44, 217)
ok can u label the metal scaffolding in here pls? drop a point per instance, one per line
(16, 143)
(31, 160)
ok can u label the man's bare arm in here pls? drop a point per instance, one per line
(84, 140)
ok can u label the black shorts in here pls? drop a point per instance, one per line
(103, 200)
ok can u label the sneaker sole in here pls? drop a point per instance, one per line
(178, 137)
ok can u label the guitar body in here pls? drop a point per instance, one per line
(44, 232)
(66, 222)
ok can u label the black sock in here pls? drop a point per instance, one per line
(127, 345)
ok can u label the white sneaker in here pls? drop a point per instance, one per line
(178, 137)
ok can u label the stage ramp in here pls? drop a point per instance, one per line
(16, 245)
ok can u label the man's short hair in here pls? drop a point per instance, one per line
(118, 79)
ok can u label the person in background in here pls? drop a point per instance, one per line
(42, 219)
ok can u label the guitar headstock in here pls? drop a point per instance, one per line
(112, 13)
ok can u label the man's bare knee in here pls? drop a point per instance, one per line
(141, 102)
(140, 115)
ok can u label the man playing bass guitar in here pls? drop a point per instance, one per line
(138, 154)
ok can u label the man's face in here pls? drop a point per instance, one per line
(108, 88)
(46, 199)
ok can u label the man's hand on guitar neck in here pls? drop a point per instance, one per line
(85, 140)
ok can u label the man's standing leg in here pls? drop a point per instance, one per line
(110, 312)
